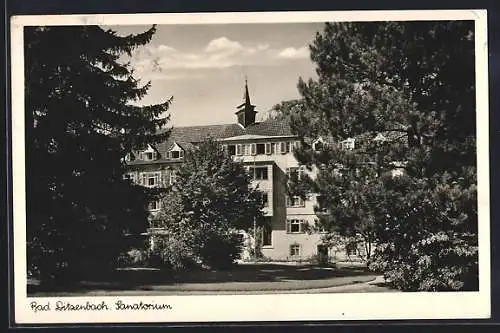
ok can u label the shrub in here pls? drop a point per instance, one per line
(172, 253)
(133, 257)
(221, 251)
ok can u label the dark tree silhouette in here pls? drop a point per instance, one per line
(82, 119)
(412, 82)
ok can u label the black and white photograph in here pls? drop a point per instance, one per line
(253, 166)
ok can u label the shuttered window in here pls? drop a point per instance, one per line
(283, 147)
(268, 149)
(253, 149)
(295, 226)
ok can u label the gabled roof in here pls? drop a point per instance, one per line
(187, 136)
(194, 134)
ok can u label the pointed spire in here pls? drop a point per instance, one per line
(246, 111)
(247, 95)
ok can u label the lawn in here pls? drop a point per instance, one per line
(242, 278)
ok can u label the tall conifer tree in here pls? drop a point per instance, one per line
(82, 119)
(412, 82)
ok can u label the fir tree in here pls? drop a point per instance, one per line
(82, 119)
(405, 92)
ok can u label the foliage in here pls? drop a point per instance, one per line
(283, 111)
(172, 251)
(208, 204)
(133, 257)
(397, 79)
(81, 121)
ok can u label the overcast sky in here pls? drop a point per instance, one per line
(204, 66)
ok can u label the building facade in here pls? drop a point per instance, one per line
(266, 150)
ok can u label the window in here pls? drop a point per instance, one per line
(276, 148)
(261, 149)
(295, 226)
(151, 179)
(295, 201)
(175, 154)
(297, 172)
(246, 149)
(130, 176)
(239, 150)
(265, 199)
(267, 232)
(285, 147)
(155, 205)
(294, 250)
(231, 149)
(347, 144)
(172, 177)
(253, 149)
(148, 156)
(268, 149)
(296, 145)
(258, 173)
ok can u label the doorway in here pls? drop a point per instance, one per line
(322, 254)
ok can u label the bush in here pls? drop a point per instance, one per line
(221, 251)
(172, 253)
(133, 257)
(432, 270)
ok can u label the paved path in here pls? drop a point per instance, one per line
(370, 284)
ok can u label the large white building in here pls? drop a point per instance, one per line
(266, 149)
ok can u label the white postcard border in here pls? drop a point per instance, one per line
(282, 307)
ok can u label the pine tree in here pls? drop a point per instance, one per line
(412, 82)
(82, 118)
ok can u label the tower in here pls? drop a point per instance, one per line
(246, 111)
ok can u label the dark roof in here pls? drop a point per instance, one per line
(192, 134)
(187, 135)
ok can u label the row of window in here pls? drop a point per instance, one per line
(298, 172)
(347, 144)
(265, 202)
(295, 202)
(258, 173)
(152, 179)
(267, 148)
(255, 173)
(295, 250)
(153, 155)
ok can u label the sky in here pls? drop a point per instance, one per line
(204, 67)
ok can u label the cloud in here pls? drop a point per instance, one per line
(293, 53)
(224, 45)
(158, 61)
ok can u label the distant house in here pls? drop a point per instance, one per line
(266, 150)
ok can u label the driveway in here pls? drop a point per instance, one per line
(243, 279)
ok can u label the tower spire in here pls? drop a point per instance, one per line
(246, 97)
(246, 111)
